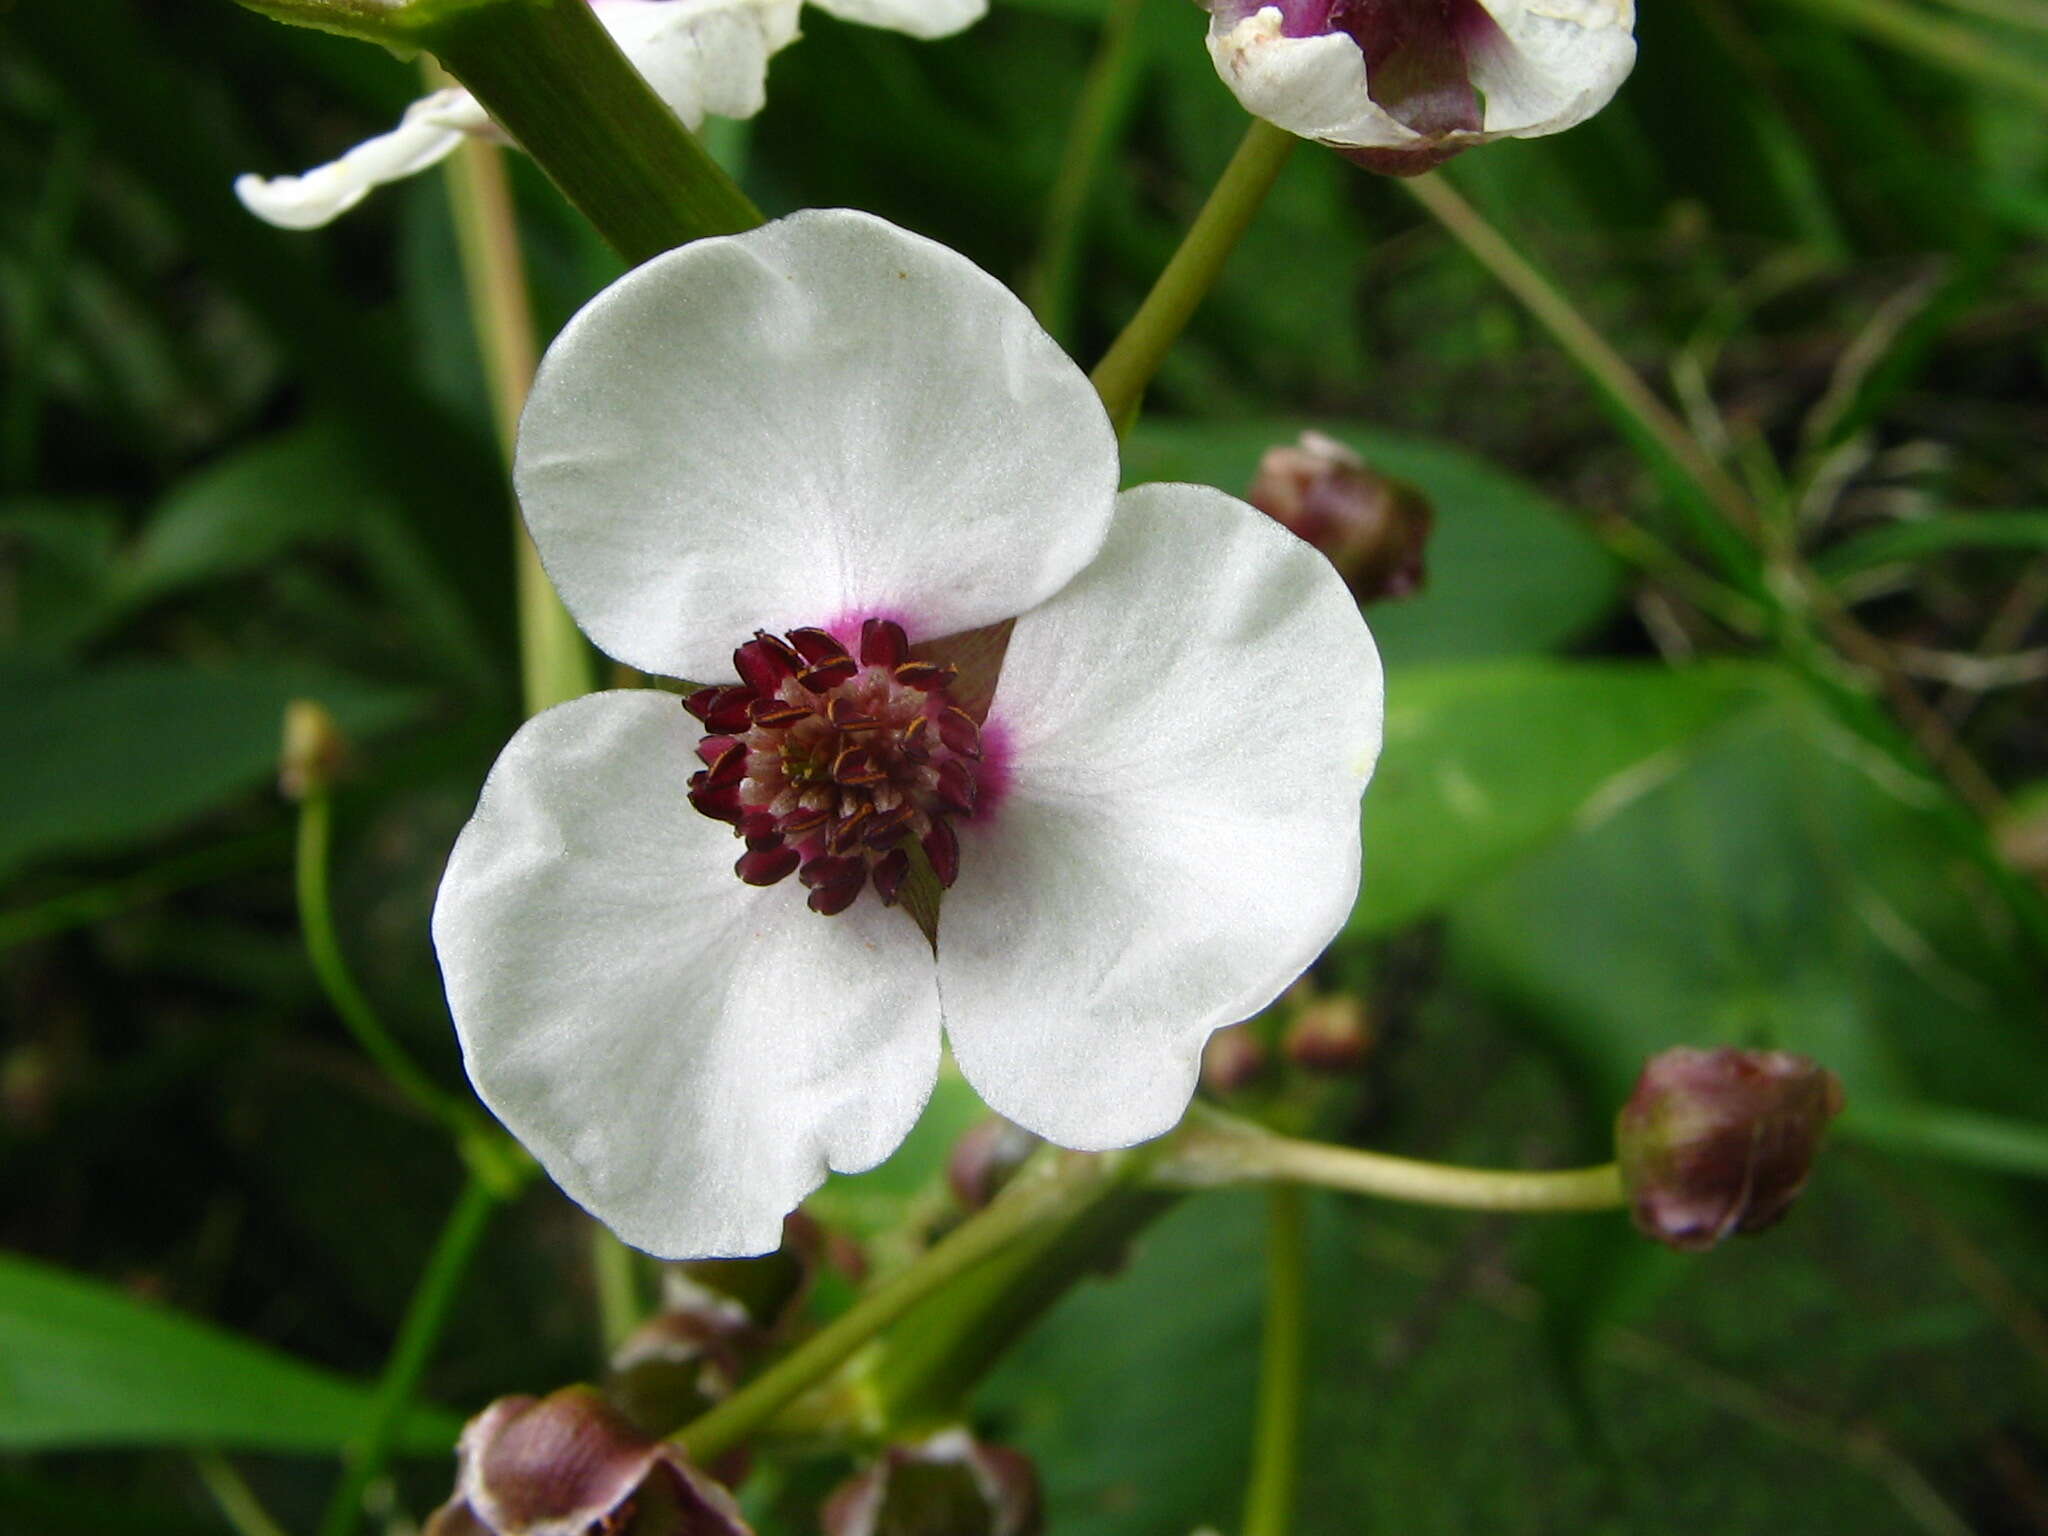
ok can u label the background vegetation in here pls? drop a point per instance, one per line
(1622, 806)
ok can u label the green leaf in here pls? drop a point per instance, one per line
(1903, 543)
(1510, 572)
(1484, 762)
(82, 1364)
(96, 758)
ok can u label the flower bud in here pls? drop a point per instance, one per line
(951, 1485)
(681, 1361)
(1233, 1060)
(1721, 1141)
(1332, 1034)
(313, 753)
(985, 1158)
(568, 1463)
(1373, 527)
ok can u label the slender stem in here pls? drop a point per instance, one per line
(1120, 378)
(1276, 1435)
(554, 661)
(233, 1496)
(612, 1269)
(1212, 1149)
(1720, 506)
(1100, 111)
(323, 949)
(550, 73)
(1042, 1196)
(1962, 49)
(425, 1317)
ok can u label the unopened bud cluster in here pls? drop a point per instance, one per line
(1373, 527)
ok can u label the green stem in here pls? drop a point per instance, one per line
(1962, 49)
(613, 1271)
(1120, 378)
(552, 76)
(554, 661)
(323, 949)
(49, 235)
(1045, 1195)
(1100, 111)
(427, 1315)
(1720, 511)
(233, 1496)
(1276, 1434)
(1214, 1149)
(1992, 1142)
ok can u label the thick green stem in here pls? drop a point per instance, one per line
(1276, 1433)
(1120, 378)
(552, 76)
(1105, 101)
(427, 1315)
(555, 663)
(1045, 1196)
(1213, 1149)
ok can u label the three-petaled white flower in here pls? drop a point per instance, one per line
(1402, 85)
(1127, 732)
(702, 57)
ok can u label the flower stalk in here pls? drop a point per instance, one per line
(1213, 1149)
(1134, 357)
(1276, 1433)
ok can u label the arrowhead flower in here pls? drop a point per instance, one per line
(838, 475)
(702, 57)
(1402, 85)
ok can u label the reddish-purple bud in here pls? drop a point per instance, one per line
(682, 1360)
(1714, 1142)
(1332, 1034)
(950, 1485)
(984, 1159)
(1233, 1059)
(570, 1462)
(1372, 527)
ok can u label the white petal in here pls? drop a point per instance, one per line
(1311, 86)
(702, 56)
(826, 418)
(428, 133)
(1555, 65)
(1187, 729)
(919, 18)
(685, 1054)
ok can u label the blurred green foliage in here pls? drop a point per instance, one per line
(238, 466)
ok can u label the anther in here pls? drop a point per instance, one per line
(817, 646)
(857, 765)
(773, 712)
(883, 643)
(828, 674)
(845, 715)
(924, 675)
(763, 662)
(959, 732)
(765, 866)
(889, 873)
(942, 847)
(721, 709)
(956, 785)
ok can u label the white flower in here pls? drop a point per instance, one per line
(702, 57)
(1402, 85)
(1143, 795)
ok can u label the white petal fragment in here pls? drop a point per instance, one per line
(1187, 729)
(825, 418)
(917, 18)
(703, 57)
(427, 134)
(1555, 64)
(685, 1054)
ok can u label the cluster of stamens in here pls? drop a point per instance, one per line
(832, 767)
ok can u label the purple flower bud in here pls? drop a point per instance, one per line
(1233, 1060)
(985, 1158)
(1373, 527)
(682, 1360)
(950, 1485)
(1721, 1141)
(1332, 1034)
(569, 1463)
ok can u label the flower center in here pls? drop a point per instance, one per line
(832, 767)
(1417, 58)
